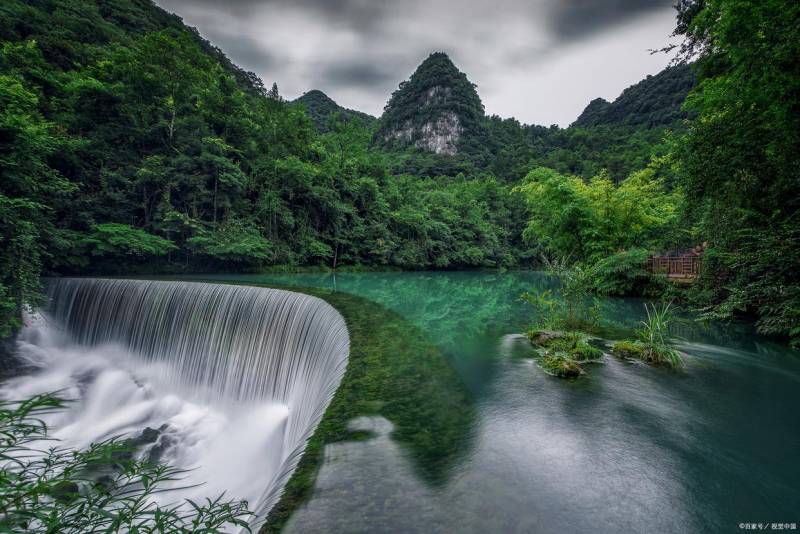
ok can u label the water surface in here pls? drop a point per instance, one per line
(627, 447)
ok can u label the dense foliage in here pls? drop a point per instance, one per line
(740, 157)
(578, 220)
(130, 143)
(654, 101)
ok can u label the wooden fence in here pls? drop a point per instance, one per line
(684, 267)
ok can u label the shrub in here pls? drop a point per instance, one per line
(577, 309)
(654, 337)
(583, 352)
(625, 273)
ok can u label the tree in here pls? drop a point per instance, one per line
(273, 93)
(739, 159)
(579, 220)
(121, 240)
(28, 184)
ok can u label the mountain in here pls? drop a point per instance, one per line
(320, 107)
(71, 35)
(655, 101)
(437, 110)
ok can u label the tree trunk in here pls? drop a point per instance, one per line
(216, 182)
(335, 255)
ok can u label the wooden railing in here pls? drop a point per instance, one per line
(684, 266)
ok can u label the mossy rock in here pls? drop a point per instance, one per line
(543, 338)
(583, 352)
(662, 356)
(560, 366)
(659, 355)
(628, 349)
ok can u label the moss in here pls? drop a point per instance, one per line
(560, 366)
(628, 349)
(543, 338)
(573, 344)
(661, 355)
(583, 352)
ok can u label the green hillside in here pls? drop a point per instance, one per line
(322, 109)
(654, 101)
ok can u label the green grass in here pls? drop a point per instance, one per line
(654, 337)
(628, 349)
(653, 340)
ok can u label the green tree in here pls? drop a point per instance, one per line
(579, 220)
(28, 183)
(739, 159)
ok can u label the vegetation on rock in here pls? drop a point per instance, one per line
(563, 352)
(628, 349)
(560, 366)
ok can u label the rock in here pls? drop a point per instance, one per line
(544, 337)
(628, 349)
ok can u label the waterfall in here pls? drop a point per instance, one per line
(253, 367)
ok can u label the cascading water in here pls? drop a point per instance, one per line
(235, 377)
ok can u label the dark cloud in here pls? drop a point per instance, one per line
(366, 74)
(246, 51)
(360, 14)
(358, 51)
(575, 19)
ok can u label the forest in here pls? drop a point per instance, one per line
(128, 143)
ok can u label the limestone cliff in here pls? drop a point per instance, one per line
(436, 110)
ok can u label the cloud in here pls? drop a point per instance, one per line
(368, 75)
(358, 51)
(576, 19)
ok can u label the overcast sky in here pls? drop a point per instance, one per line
(540, 61)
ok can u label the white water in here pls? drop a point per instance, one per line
(236, 377)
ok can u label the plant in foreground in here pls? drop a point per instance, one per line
(652, 345)
(100, 489)
(563, 352)
(576, 309)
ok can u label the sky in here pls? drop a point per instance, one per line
(540, 61)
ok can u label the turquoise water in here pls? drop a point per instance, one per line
(627, 447)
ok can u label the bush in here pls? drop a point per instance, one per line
(625, 273)
(563, 351)
(583, 352)
(577, 309)
(654, 337)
